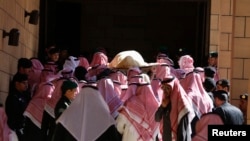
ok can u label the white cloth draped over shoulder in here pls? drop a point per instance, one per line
(93, 116)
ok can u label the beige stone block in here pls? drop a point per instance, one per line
(214, 37)
(22, 3)
(2, 2)
(225, 7)
(224, 41)
(1, 43)
(242, 8)
(4, 87)
(246, 69)
(232, 11)
(223, 72)
(13, 64)
(4, 61)
(248, 113)
(213, 48)
(237, 68)
(241, 48)
(29, 53)
(239, 26)
(23, 50)
(11, 7)
(226, 24)
(19, 14)
(215, 6)
(214, 22)
(1, 18)
(238, 87)
(9, 22)
(3, 96)
(234, 102)
(225, 59)
(29, 38)
(247, 27)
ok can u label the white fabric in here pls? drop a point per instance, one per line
(93, 116)
(13, 136)
(128, 131)
(71, 63)
(127, 59)
(139, 112)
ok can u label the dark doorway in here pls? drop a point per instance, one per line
(60, 25)
(124, 25)
(68, 26)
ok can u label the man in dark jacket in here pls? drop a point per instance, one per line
(69, 90)
(16, 103)
(230, 114)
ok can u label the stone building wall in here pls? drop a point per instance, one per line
(230, 24)
(12, 16)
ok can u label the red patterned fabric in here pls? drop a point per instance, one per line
(83, 62)
(107, 89)
(143, 105)
(180, 106)
(36, 106)
(192, 84)
(99, 58)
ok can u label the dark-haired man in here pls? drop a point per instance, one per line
(230, 114)
(213, 62)
(24, 66)
(16, 103)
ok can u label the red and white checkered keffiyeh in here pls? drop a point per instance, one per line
(140, 109)
(99, 58)
(180, 107)
(192, 84)
(36, 105)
